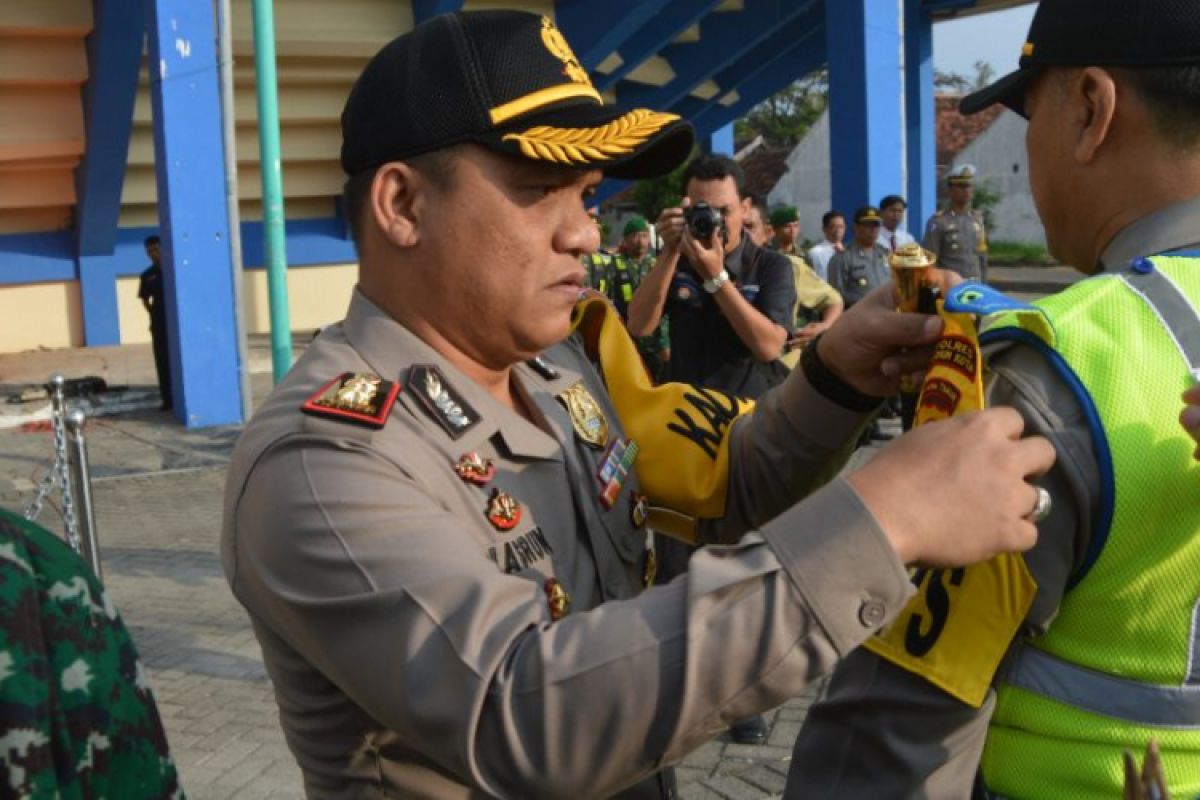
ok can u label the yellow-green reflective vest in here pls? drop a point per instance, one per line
(1121, 661)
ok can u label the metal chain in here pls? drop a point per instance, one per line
(34, 509)
(70, 522)
(56, 478)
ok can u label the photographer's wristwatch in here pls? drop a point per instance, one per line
(713, 285)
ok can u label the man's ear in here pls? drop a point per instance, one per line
(397, 201)
(1094, 94)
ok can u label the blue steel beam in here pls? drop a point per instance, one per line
(865, 89)
(424, 9)
(805, 32)
(920, 133)
(674, 18)
(724, 38)
(114, 52)
(50, 257)
(192, 212)
(775, 76)
(596, 29)
(944, 6)
(720, 141)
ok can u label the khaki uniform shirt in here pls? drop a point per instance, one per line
(882, 731)
(959, 241)
(854, 272)
(812, 294)
(410, 641)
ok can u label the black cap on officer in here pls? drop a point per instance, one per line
(1101, 33)
(505, 80)
(868, 215)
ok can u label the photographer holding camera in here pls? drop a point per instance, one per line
(730, 307)
(729, 301)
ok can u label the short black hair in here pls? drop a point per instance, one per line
(714, 167)
(1172, 95)
(437, 165)
(830, 216)
(892, 199)
(151, 239)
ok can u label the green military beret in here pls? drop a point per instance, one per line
(785, 214)
(636, 225)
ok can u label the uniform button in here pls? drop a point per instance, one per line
(871, 613)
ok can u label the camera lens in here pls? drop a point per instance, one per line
(703, 220)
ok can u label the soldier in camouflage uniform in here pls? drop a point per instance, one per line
(77, 718)
(617, 276)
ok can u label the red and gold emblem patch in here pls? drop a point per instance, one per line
(359, 397)
(503, 510)
(475, 469)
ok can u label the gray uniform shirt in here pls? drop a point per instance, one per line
(882, 731)
(955, 239)
(855, 271)
(412, 657)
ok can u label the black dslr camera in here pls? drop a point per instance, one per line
(703, 221)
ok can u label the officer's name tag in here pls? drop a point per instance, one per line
(521, 552)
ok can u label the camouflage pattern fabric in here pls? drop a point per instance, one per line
(77, 718)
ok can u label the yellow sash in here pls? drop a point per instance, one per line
(958, 626)
(682, 430)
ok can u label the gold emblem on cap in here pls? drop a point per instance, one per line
(1027, 49)
(586, 145)
(556, 43)
(587, 419)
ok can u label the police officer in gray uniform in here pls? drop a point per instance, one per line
(863, 265)
(956, 234)
(437, 524)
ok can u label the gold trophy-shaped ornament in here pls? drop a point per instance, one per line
(916, 287)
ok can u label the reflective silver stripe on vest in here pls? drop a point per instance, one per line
(1143, 703)
(1173, 310)
(1181, 320)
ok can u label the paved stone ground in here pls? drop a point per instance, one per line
(157, 492)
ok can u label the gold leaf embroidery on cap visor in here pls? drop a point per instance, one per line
(587, 145)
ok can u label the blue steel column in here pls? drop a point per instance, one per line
(192, 213)
(114, 52)
(720, 141)
(919, 116)
(865, 130)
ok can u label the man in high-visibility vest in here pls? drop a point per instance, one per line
(1028, 677)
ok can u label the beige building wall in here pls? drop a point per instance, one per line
(317, 296)
(40, 315)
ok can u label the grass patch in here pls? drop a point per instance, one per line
(1016, 253)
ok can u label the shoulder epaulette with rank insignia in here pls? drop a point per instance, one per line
(363, 398)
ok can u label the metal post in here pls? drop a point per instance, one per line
(272, 184)
(229, 138)
(81, 488)
(58, 398)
